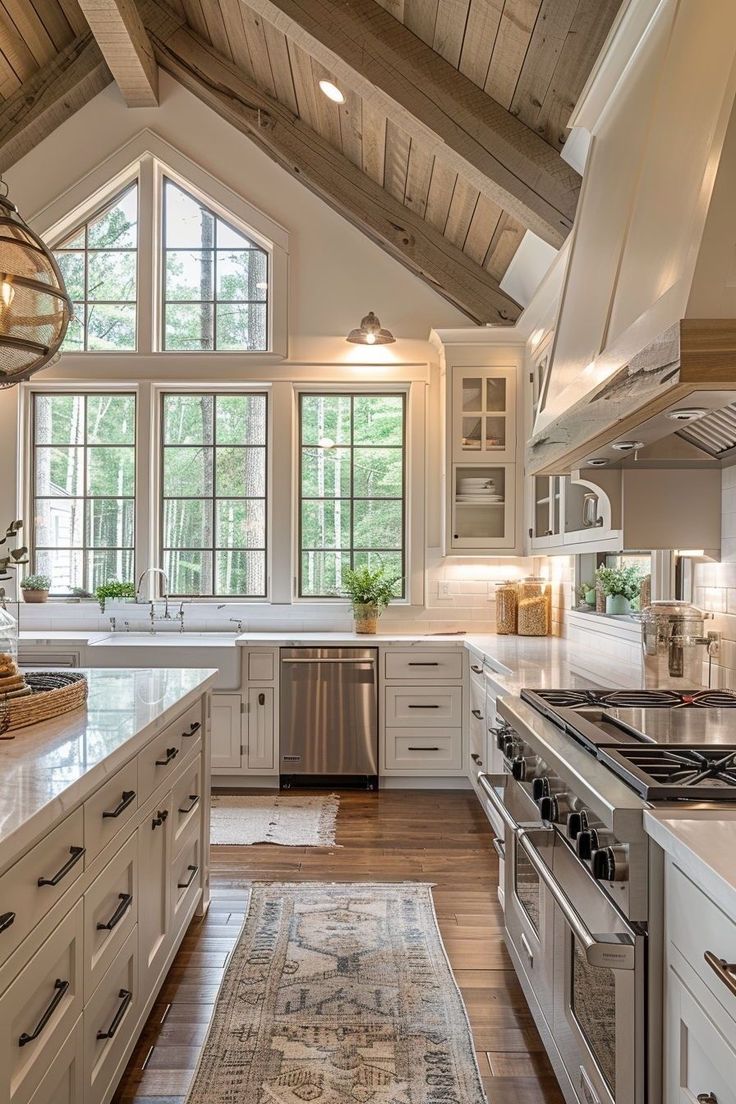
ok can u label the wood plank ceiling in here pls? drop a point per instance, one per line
(531, 56)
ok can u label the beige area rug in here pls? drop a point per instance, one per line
(338, 994)
(286, 819)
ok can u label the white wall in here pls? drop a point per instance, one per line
(336, 276)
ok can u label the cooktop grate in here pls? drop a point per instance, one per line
(668, 774)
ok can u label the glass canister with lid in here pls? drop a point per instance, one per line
(533, 615)
(675, 644)
(8, 644)
(507, 599)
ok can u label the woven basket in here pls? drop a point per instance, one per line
(52, 693)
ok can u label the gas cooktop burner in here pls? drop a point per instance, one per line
(632, 699)
(661, 774)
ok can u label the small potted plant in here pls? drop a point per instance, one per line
(621, 586)
(35, 588)
(114, 589)
(369, 592)
(587, 593)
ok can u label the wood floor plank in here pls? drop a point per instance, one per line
(439, 837)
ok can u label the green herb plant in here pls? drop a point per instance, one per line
(35, 582)
(113, 588)
(625, 580)
(366, 587)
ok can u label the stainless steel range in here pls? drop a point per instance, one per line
(583, 881)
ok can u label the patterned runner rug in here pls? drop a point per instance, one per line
(287, 819)
(339, 994)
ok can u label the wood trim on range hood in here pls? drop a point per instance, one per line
(697, 354)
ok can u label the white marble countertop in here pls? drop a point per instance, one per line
(48, 768)
(703, 844)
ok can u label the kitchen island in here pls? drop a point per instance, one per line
(104, 844)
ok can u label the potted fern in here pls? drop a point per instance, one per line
(369, 591)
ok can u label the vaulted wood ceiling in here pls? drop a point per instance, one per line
(445, 151)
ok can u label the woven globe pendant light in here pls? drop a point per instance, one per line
(35, 308)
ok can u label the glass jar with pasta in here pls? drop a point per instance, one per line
(506, 607)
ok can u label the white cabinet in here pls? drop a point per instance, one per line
(483, 414)
(63, 1082)
(154, 860)
(700, 1063)
(481, 478)
(225, 730)
(260, 736)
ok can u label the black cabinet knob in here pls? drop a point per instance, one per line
(518, 768)
(577, 822)
(604, 864)
(540, 788)
(586, 843)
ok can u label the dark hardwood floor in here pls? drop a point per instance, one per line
(432, 836)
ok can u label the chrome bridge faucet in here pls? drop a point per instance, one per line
(164, 594)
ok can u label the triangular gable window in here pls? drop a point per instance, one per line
(215, 280)
(99, 261)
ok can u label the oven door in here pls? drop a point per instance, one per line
(528, 909)
(599, 979)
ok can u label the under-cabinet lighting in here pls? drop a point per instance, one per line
(332, 92)
(686, 414)
(690, 552)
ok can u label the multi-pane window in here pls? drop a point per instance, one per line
(215, 280)
(98, 262)
(214, 494)
(352, 488)
(83, 489)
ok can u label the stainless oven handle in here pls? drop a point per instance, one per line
(487, 783)
(614, 952)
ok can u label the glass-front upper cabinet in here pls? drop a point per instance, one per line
(482, 507)
(484, 415)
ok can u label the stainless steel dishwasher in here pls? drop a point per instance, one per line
(329, 715)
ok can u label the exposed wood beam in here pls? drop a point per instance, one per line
(122, 38)
(311, 159)
(50, 97)
(390, 68)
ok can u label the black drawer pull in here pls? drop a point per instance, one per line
(76, 854)
(194, 799)
(193, 728)
(126, 997)
(417, 663)
(6, 921)
(477, 714)
(424, 707)
(477, 670)
(171, 753)
(126, 799)
(192, 875)
(126, 900)
(60, 988)
(159, 818)
(424, 749)
(476, 759)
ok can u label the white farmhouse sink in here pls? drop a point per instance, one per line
(165, 640)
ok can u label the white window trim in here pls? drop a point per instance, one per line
(282, 503)
(148, 158)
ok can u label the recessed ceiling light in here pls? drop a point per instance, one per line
(628, 446)
(332, 92)
(687, 414)
(597, 462)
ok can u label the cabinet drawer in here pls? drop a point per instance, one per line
(187, 800)
(63, 1082)
(39, 1009)
(110, 1017)
(413, 663)
(154, 863)
(424, 706)
(696, 927)
(699, 1062)
(167, 751)
(261, 666)
(58, 859)
(110, 913)
(436, 751)
(186, 879)
(109, 809)
(477, 700)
